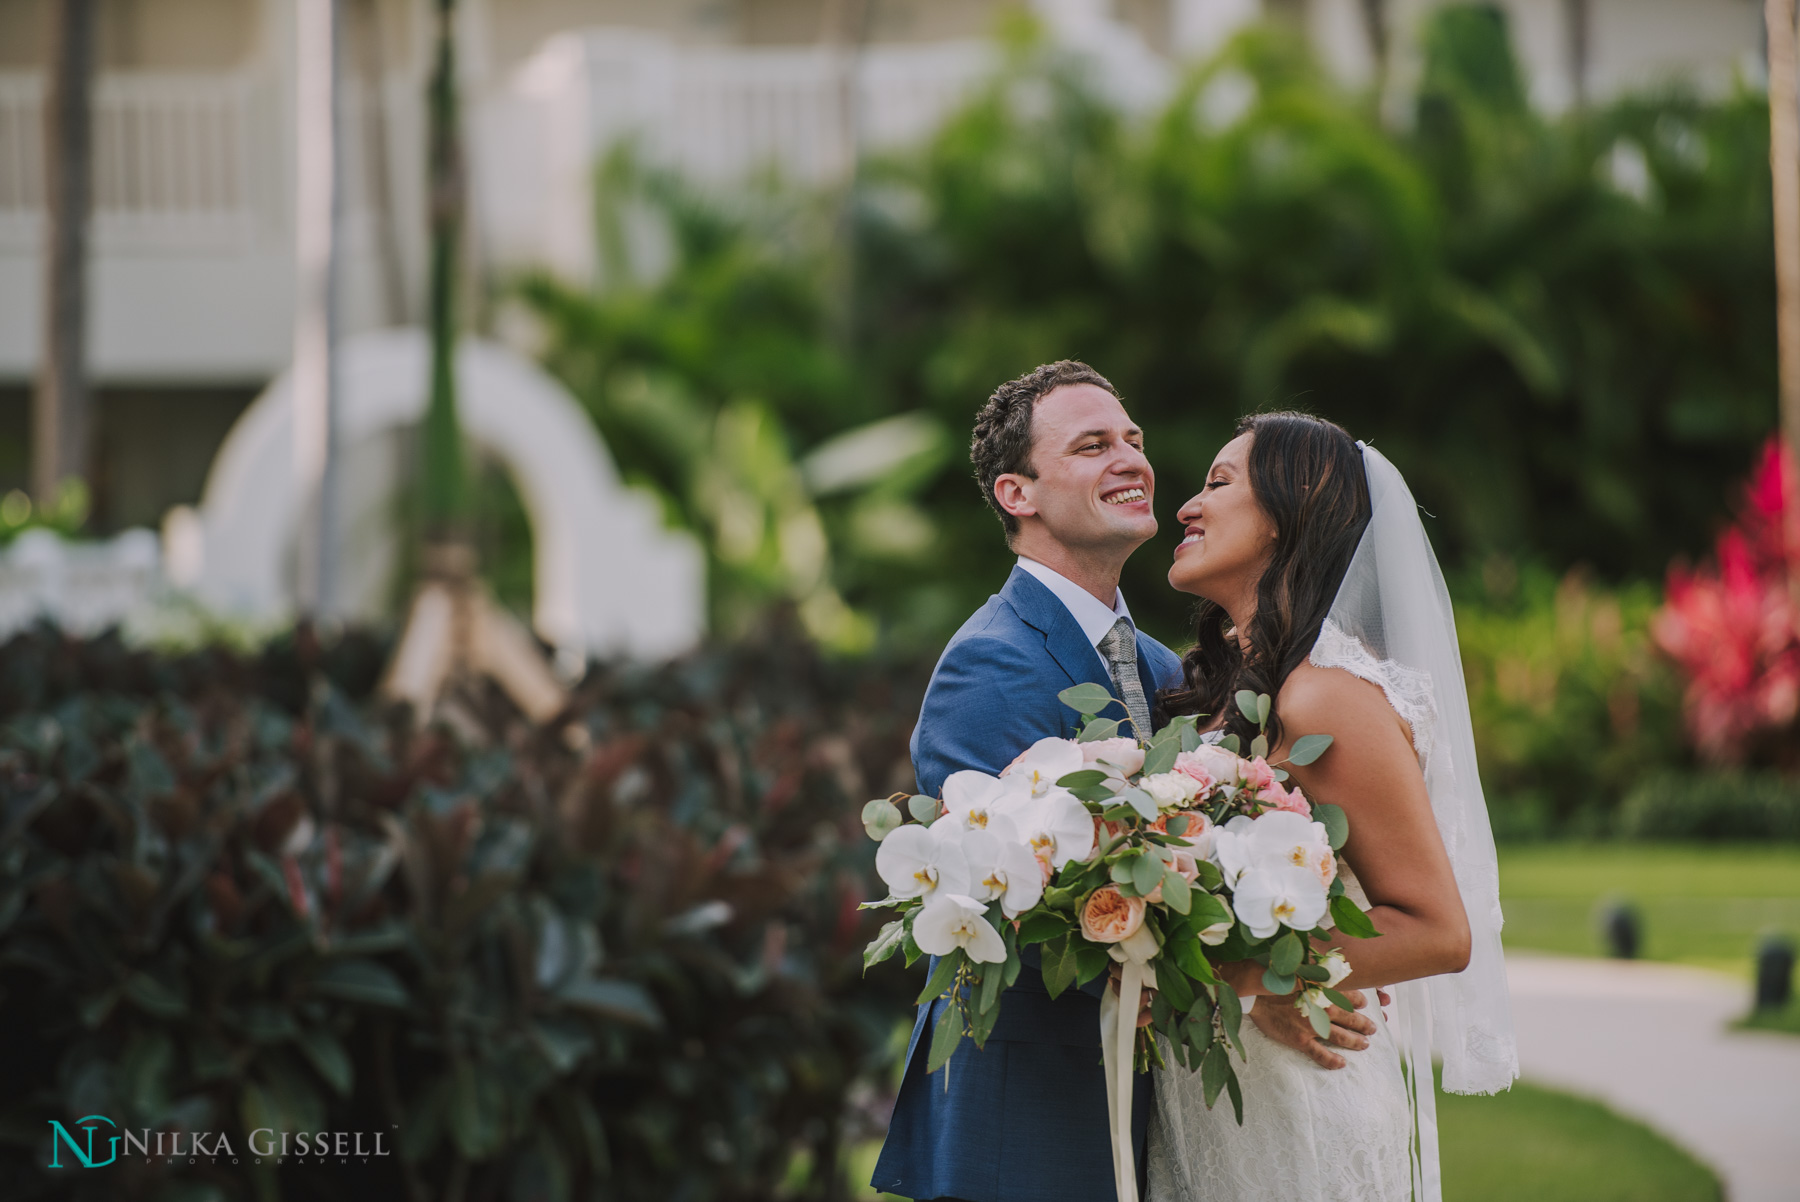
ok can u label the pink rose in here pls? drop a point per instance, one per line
(1185, 866)
(1111, 917)
(1258, 776)
(1123, 753)
(1291, 800)
(1209, 765)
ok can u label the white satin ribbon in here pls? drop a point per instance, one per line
(1118, 1048)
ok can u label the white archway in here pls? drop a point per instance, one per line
(607, 578)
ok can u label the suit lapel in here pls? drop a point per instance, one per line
(1039, 609)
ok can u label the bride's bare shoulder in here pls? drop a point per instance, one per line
(1317, 700)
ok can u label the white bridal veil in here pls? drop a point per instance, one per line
(1394, 602)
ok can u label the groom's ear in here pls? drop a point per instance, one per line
(1011, 490)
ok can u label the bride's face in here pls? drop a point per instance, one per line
(1227, 538)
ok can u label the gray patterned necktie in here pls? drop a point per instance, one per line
(1119, 646)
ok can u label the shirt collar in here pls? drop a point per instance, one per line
(1094, 617)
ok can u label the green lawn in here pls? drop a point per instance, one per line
(1701, 904)
(1535, 1145)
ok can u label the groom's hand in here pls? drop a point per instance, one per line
(1278, 1019)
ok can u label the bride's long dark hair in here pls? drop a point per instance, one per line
(1307, 474)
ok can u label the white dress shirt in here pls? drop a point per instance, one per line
(1090, 613)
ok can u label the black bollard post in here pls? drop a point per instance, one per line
(1622, 929)
(1774, 972)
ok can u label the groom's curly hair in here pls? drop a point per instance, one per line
(1001, 445)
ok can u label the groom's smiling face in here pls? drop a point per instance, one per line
(1094, 487)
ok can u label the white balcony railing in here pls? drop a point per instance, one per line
(175, 160)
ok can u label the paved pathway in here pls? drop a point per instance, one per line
(1652, 1041)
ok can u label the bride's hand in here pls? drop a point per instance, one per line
(1282, 1022)
(1116, 971)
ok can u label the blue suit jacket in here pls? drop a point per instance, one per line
(1024, 1119)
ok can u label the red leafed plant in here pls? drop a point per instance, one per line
(1734, 626)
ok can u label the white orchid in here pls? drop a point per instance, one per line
(917, 861)
(1003, 870)
(952, 920)
(1271, 896)
(972, 800)
(1278, 837)
(1056, 826)
(1044, 763)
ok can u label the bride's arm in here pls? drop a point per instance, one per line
(1394, 848)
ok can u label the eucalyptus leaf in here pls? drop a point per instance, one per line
(1286, 955)
(1088, 698)
(1146, 874)
(1263, 705)
(1230, 743)
(1160, 757)
(1083, 778)
(880, 818)
(1259, 747)
(1279, 984)
(1335, 821)
(1097, 729)
(1247, 705)
(1141, 802)
(923, 809)
(1321, 1025)
(1308, 748)
(1176, 891)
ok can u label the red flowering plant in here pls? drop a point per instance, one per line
(1733, 627)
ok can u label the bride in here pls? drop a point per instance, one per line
(1318, 586)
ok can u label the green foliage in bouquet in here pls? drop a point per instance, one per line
(1174, 842)
(615, 956)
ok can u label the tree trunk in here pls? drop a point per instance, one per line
(443, 489)
(60, 419)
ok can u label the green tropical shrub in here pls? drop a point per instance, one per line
(1749, 806)
(1570, 700)
(1557, 327)
(612, 957)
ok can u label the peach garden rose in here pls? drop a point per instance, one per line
(1111, 917)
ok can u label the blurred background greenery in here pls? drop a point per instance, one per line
(1556, 327)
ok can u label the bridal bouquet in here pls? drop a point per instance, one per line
(1166, 857)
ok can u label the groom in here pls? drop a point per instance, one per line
(1060, 461)
(1024, 1119)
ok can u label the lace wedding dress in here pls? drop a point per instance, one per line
(1309, 1135)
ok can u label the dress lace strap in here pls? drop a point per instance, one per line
(1408, 690)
